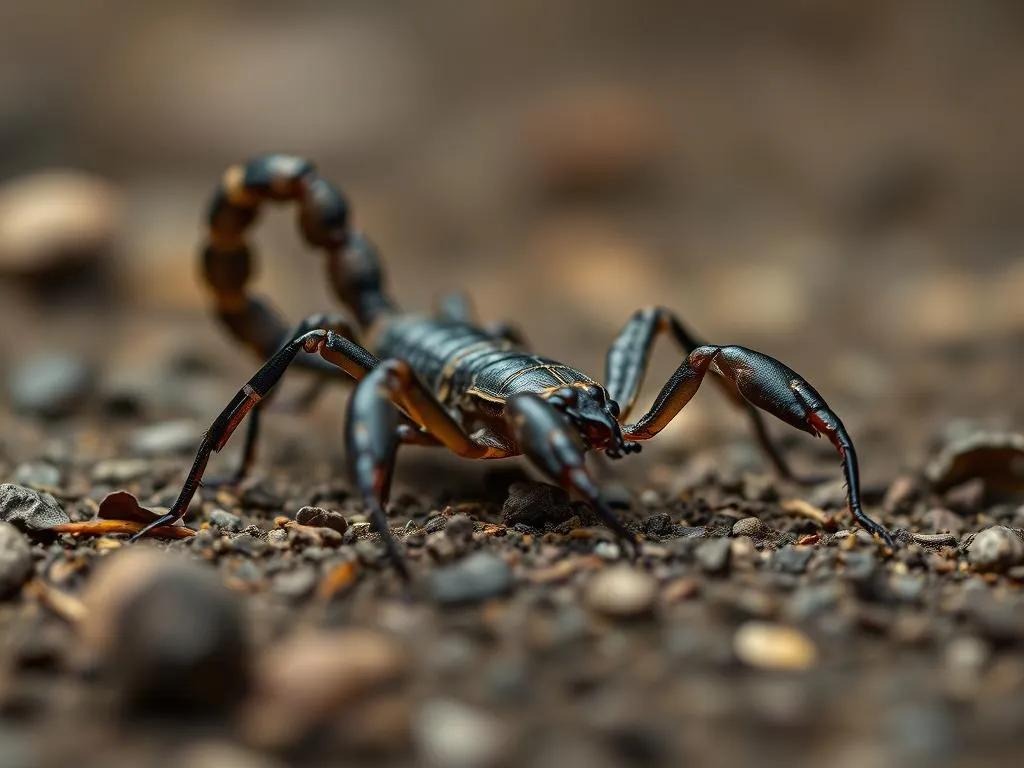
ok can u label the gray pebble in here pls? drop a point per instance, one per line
(295, 584)
(450, 734)
(995, 549)
(15, 560)
(792, 559)
(809, 602)
(225, 520)
(713, 555)
(753, 527)
(29, 509)
(459, 528)
(478, 577)
(607, 550)
(50, 385)
(40, 474)
(318, 517)
(907, 588)
(168, 437)
(119, 471)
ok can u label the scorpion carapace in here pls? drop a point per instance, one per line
(445, 380)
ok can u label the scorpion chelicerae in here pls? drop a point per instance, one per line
(445, 380)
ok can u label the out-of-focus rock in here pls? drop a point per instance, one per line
(450, 734)
(595, 140)
(772, 646)
(478, 577)
(15, 560)
(994, 549)
(622, 592)
(170, 637)
(56, 219)
(995, 457)
(50, 385)
(30, 510)
(313, 677)
(168, 437)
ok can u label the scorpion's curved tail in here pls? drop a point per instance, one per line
(353, 267)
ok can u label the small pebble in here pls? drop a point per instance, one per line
(225, 520)
(450, 734)
(120, 471)
(607, 550)
(40, 474)
(169, 437)
(50, 385)
(478, 577)
(792, 559)
(15, 560)
(774, 647)
(622, 592)
(319, 517)
(713, 555)
(295, 584)
(753, 527)
(995, 549)
(459, 528)
(30, 510)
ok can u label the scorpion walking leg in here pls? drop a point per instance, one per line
(765, 383)
(322, 321)
(372, 436)
(627, 364)
(546, 438)
(342, 352)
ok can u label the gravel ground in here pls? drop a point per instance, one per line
(754, 627)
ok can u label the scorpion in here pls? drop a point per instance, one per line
(446, 380)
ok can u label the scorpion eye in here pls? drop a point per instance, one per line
(613, 409)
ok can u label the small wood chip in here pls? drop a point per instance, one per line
(105, 527)
(803, 508)
(338, 580)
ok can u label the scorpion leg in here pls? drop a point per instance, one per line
(372, 436)
(336, 349)
(548, 440)
(331, 322)
(627, 363)
(765, 383)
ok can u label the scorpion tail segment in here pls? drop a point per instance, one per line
(371, 446)
(358, 279)
(768, 384)
(547, 438)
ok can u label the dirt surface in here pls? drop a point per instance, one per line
(834, 184)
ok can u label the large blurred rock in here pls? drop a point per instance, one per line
(56, 220)
(169, 635)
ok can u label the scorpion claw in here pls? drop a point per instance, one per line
(768, 384)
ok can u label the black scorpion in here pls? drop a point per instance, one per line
(445, 380)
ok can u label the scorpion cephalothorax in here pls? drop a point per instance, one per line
(445, 380)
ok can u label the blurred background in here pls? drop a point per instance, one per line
(835, 183)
